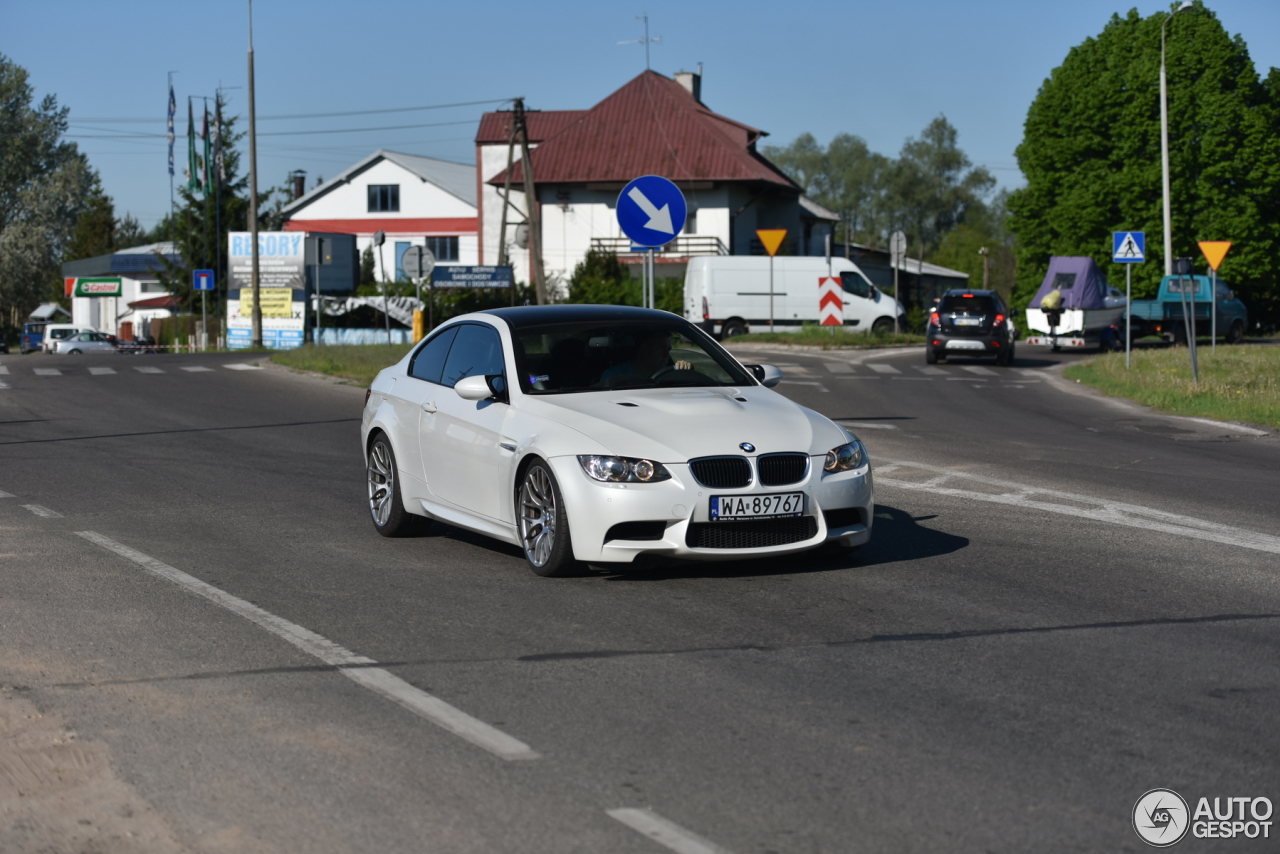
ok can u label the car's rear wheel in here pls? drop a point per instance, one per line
(930, 356)
(1236, 333)
(385, 505)
(74, 353)
(544, 525)
(732, 329)
(882, 326)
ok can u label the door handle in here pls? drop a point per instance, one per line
(429, 406)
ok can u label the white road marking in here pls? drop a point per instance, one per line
(931, 370)
(1115, 512)
(1030, 372)
(914, 379)
(97, 372)
(4, 385)
(239, 366)
(357, 668)
(839, 367)
(196, 368)
(978, 369)
(4, 370)
(4, 494)
(884, 369)
(47, 372)
(864, 425)
(666, 833)
(1239, 428)
(42, 511)
(820, 386)
(148, 370)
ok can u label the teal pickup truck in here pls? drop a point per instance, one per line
(1164, 315)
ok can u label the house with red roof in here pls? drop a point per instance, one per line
(653, 125)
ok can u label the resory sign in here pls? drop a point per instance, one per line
(99, 287)
(471, 277)
(281, 256)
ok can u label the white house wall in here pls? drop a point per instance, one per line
(418, 198)
(492, 160)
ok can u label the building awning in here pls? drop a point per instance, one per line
(168, 301)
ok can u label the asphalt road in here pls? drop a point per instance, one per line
(1067, 602)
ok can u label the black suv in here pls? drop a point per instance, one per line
(970, 323)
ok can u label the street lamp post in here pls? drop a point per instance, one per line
(1164, 143)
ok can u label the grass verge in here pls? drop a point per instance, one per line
(1237, 383)
(357, 364)
(829, 338)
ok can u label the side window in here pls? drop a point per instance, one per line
(429, 362)
(855, 284)
(476, 351)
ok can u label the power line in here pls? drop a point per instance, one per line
(112, 121)
(125, 135)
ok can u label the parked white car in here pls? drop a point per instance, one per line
(606, 435)
(728, 295)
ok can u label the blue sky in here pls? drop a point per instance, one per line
(878, 70)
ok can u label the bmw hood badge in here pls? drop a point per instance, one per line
(748, 447)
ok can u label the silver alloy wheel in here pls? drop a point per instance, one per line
(537, 516)
(382, 483)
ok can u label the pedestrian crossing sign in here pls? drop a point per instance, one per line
(1128, 247)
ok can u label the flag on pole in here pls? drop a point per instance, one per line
(173, 105)
(218, 161)
(190, 171)
(206, 161)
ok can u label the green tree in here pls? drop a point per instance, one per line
(984, 229)
(846, 177)
(45, 186)
(1091, 156)
(95, 228)
(601, 279)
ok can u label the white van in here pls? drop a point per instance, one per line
(55, 332)
(728, 295)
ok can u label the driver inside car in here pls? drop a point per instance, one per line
(652, 354)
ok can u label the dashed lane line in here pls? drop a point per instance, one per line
(839, 367)
(4, 494)
(98, 372)
(981, 371)
(42, 511)
(240, 366)
(195, 369)
(47, 372)
(931, 370)
(884, 369)
(363, 671)
(147, 369)
(1098, 509)
(4, 370)
(665, 832)
(819, 385)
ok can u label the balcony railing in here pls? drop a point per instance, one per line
(684, 245)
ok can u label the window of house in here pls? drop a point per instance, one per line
(384, 197)
(444, 248)
(691, 221)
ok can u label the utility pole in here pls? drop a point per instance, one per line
(253, 195)
(986, 265)
(531, 202)
(506, 197)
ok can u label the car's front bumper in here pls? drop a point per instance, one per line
(594, 509)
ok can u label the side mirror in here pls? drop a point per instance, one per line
(473, 388)
(768, 375)
(498, 385)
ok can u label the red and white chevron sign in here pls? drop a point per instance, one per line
(830, 302)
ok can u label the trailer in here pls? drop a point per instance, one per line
(1089, 309)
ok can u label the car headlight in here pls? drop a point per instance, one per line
(845, 457)
(622, 469)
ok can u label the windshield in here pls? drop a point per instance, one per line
(581, 357)
(968, 305)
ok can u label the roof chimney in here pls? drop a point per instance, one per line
(299, 177)
(692, 82)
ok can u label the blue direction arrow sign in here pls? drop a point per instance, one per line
(1128, 247)
(202, 280)
(651, 211)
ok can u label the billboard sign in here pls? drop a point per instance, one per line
(454, 276)
(98, 287)
(281, 257)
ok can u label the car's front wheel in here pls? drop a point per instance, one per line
(1236, 333)
(544, 525)
(386, 508)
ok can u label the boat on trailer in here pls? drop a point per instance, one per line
(1089, 305)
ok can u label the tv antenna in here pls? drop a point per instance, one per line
(644, 41)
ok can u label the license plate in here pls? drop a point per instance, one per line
(773, 506)
(966, 345)
(968, 321)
